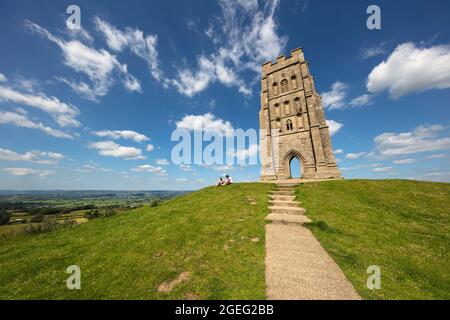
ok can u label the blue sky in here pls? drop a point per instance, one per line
(95, 108)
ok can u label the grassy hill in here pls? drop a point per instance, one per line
(214, 240)
(401, 226)
(128, 256)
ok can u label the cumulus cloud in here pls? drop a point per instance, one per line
(206, 122)
(20, 120)
(150, 147)
(186, 167)
(151, 169)
(355, 155)
(63, 113)
(403, 161)
(245, 36)
(412, 69)
(134, 39)
(336, 98)
(98, 65)
(27, 171)
(389, 170)
(162, 162)
(425, 138)
(112, 149)
(42, 157)
(334, 126)
(437, 156)
(122, 134)
(362, 100)
(244, 154)
(373, 51)
(338, 151)
(2, 77)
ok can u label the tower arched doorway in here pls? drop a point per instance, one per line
(295, 168)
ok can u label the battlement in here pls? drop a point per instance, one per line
(282, 61)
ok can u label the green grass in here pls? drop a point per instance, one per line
(401, 226)
(120, 257)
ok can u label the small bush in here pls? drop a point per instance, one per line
(4, 217)
(153, 203)
(92, 214)
(107, 212)
(48, 226)
(41, 227)
(37, 218)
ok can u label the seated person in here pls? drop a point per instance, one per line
(228, 180)
(220, 182)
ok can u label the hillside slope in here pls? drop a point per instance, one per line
(215, 239)
(206, 234)
(401, 226)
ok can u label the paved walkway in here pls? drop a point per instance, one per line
(297, 267)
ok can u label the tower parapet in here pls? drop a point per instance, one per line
(292, 114)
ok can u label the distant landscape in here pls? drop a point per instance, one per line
(20, 210)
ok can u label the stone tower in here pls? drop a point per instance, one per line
(293, 122)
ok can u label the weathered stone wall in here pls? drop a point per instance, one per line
(292, 117)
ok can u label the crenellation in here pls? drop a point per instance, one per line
(293, 110)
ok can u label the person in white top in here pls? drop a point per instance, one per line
(221, 182)
(228, 180)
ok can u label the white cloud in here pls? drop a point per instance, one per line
(112, 149)
(355, 155)
(244, 154)
(151, 169)
(134, 39)
(63, 113)
(383, 169)
(206, 122)
(2, 77)
(150, 147)
(362, 100)
(373, 51)
(411, 69)
(97, 65)
(186, 167)
(162, 162)
(421, 139)
(23, 121)
(338, 151)
(31, 156)
(403, 161)
(335, 98)
(334, 126)
(437, 156)
(245, 36)
(27, 171)
(122, 134)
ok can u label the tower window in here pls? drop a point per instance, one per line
(284, 86)
(289, 125)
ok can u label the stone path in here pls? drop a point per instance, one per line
(297, 266)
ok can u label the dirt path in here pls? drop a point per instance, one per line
(297, 266)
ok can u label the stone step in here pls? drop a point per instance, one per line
(291, 210)
(282, 193)
(287, 218)
(286, 185)
(284, 203)
(283, 198)
(285, 188)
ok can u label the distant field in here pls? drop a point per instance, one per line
(401, 226)
(66, 204)
(207, 234)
